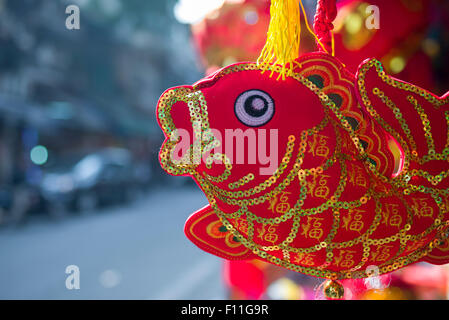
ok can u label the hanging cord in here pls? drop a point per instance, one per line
(326, 13)
(317, 39)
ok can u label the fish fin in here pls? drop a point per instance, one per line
(417, 120)
(439, 255)
(334, 79)
(206, 231)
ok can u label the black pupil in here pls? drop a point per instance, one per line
(251, 110)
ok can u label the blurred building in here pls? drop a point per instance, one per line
(85, 89)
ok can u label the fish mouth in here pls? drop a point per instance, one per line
(186, 106)
(184, 109)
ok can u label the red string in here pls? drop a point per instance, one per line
(326, 12)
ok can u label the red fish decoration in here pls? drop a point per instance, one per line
(340, 199)
(322, 172)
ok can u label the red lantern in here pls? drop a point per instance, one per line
(392, 31)
(236, 32)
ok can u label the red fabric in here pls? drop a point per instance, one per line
(426, 208)
(206, 231)
(400, 97)
(245, 279)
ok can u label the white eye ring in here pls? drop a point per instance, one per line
(254, 108)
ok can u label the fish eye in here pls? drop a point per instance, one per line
(254, 108)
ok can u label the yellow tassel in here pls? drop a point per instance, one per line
(284, 36)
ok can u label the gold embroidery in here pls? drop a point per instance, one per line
(318, 147)
(391, 216)
(353, 220)
(356, 177)
(305, 259)
(207, 243)
(422, 208)
(381, 254)
(318, 187)
(345, 259)
(268, 234)
(283, 206)
(313, 229)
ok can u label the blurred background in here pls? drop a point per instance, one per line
(80, 182)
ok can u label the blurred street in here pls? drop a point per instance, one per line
(134, 252)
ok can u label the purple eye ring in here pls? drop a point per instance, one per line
(254, 108)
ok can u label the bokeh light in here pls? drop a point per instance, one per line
(39, 155)
(193, 11)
